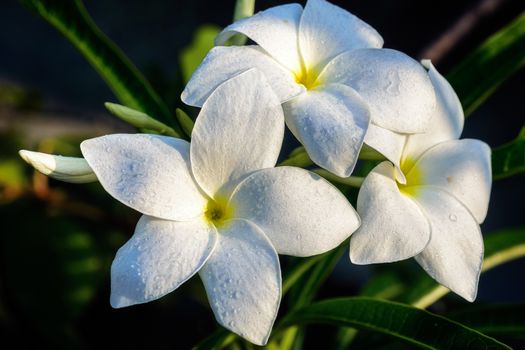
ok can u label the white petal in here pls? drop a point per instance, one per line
(460, 167)
(274, 29)
(454, 254)
(327, 30)
(388, 143)
(148, 173)
(68, 169)
(331, 123)
(301, 213)
(392, 226)
(243, 281)
(396, 87)
(159, 257)
(447, 122)
(223, 63)
(239, 129)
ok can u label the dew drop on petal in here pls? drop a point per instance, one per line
(453, 217)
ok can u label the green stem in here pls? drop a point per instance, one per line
(353, 181)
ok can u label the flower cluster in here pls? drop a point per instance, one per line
(219, 207)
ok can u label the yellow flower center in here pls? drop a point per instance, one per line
(307, 77)
(413, 175)
(218, 211)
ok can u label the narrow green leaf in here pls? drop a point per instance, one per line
(352, 181)
(305, 289)
(384, 286)
(411, 325)
(192, 55)
(295, 272)
(139, 119)
(217, 340)
(122, 77)
(509, 159)
(500, 247)
(497, 320)
(298, 158)
(185, 121)
(481, 73)
(243, 9)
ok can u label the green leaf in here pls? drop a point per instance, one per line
(139, 119)
(384, 286)
(185, 121)
(509, 159)
(123, 78)
(483, 71)
(497, 320)
(243, 9)
(192, 55)
(305, 289)
(217, 340)
(500, 247)
(411, 325)
(298, 157)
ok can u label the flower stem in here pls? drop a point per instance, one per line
(353, 181)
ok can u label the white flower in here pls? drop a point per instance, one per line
(329, 71)
(433, 210)
(218, 207)
(68, 169)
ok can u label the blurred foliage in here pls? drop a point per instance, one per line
(125, 80)
(192, 56)
(17, 97)
(497, 59)
(509, 159)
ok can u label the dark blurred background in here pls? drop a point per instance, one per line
(58, 240)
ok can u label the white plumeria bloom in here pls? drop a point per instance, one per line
(433, 211)
(218, 207)
(329, 71)
(67, 169)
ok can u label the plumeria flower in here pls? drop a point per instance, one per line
(67, 169)
(432, 210)
(329, 71)
(218, 207)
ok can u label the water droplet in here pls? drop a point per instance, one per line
(453, 217)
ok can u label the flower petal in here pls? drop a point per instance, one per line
(460, 167)
(67, 169)
(327, 30)
(301, 213)
(159, 257)
(223, 63)
(454, 254)
(331, 123)
(274, 29)
(386, 142)
(396, 87)
(243, 281)
(392, 226)
(148, 173)
(447, 122)
(239, 129)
